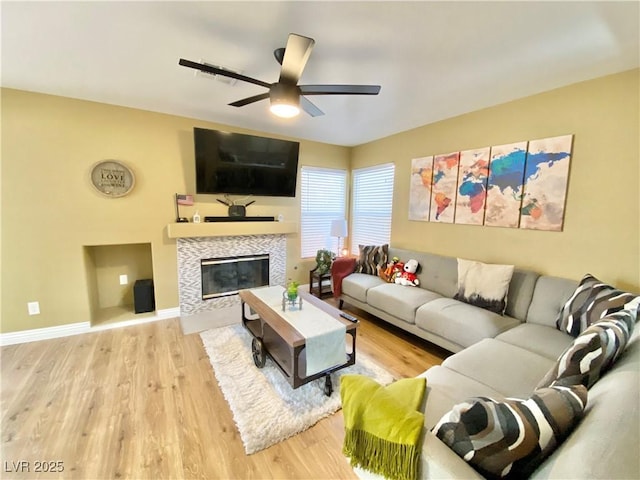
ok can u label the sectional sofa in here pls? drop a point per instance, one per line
(505, 356)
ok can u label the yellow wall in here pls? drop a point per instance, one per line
(50, 211)
(602, 215)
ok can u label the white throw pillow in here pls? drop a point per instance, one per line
(484, 285)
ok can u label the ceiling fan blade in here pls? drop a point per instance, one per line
(340, 89)
(309, 107)
(296, 54)
(248, 100)
(218, 71)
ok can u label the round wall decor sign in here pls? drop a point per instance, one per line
(112, 178)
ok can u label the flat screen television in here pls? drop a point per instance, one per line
(236, 163)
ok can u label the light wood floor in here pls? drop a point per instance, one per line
(142, 402)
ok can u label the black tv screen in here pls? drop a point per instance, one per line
(236, 163)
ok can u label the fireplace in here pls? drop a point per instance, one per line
(224, 276)
(192, 252)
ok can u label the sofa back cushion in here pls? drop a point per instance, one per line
(520, 293)
(549, 296)
(437, 272)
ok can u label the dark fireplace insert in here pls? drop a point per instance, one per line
(226, 276)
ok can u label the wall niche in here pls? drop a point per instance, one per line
(109, 299)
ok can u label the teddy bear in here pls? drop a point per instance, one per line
(408, 276)
(393, 269)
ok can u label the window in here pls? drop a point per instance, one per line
(323, 193)
(372, 204)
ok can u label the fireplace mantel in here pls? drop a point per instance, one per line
(229, 229)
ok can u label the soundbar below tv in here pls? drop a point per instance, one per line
(239, 164)
(239, 219)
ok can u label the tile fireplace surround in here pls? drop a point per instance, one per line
(192, 250)
(230, 239)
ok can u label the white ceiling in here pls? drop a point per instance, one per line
(434, 60)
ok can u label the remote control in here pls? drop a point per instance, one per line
(351, 318)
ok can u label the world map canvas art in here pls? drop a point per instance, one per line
(545, 187)
(517, 185)
(420, 188)
(506, 176)
(443, 187)
(472, 186)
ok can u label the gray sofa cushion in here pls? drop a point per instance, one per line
(399, 300)
(446, 388)
(549, 297)
(357, 284)
(437, 273)
(461, 323)
(523, 283)
(437, 461)
(546, 341)
(511, 370)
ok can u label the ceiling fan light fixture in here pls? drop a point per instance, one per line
(285, 100)
(284, 110)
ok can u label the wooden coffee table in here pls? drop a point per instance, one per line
(276, 338)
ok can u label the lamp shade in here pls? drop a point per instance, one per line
(338, 228)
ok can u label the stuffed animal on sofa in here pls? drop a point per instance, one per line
(393, 269)
(408, 276)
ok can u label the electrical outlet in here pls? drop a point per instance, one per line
(34, 308)
(124, 280)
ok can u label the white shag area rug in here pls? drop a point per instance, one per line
(266, 409)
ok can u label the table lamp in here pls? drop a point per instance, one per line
(339, 229)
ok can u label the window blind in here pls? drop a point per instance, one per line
(372, 206)
(323, 193)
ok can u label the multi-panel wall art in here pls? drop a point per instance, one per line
(443, 187)
(519, 185)
(472, 186)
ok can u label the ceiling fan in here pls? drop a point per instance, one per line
(286, 96)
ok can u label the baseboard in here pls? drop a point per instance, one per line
(25, 336)
(168, 313)
(37, 334)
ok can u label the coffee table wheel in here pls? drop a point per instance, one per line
(328, 387)
(259, 354)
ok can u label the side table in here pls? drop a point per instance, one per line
(319, 283)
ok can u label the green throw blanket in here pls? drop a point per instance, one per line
(383, 426)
